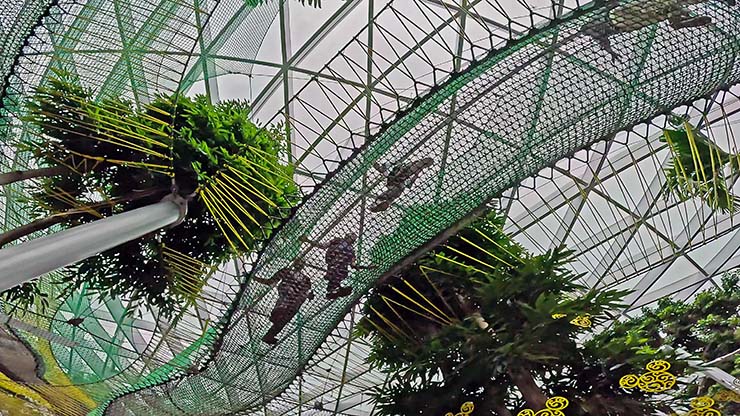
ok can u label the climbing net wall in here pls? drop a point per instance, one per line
(527, 90)
(135, 50)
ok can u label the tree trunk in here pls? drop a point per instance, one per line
(500, 409)
(22, 175)
(44, 223)
(524, 381)
(16, 361)
(495, 402)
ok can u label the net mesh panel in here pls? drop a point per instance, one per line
(16, 21)
(516, 111)
(134, 49)
(501, 119)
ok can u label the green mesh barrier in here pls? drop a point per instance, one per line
(516, 112)
(163, 373)
(116, 48)
(116, 341)
(17, 19)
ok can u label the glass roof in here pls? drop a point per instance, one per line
(342, 72)
(607, 203)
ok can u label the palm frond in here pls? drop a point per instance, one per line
(699, 168)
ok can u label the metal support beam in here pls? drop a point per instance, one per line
(623, 159)
(693, 227)
(286, 52)
(304, 51)
(34, 258)
(693, 280)
(456, 65)
(207, 65)
(591, 176)
(621, 241)
(653, 256)
(619, 161)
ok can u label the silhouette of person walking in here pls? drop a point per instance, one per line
(400, 177)
(340, 256)
(293, 290)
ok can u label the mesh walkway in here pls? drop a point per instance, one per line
(516, 111)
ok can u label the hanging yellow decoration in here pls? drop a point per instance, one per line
(187, 274)
(583, 321)
(465, 410)
(727, 396)
(702, 406)
(231, 193)
(656, 380)
(553, 407)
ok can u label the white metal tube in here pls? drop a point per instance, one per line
(34, 258)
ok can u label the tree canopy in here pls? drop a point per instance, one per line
(706, 329)
(482, 320)
(115, 157)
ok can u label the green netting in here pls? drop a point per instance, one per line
(498, 121)
(17, 19)
(516, 112)
(119, 48)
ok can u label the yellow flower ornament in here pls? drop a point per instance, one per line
(583, 321)
(553, 407)
(702, 406)
(656, 380)
(727, 396)
(465, 410)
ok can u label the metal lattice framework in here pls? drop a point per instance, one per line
(494, 90)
